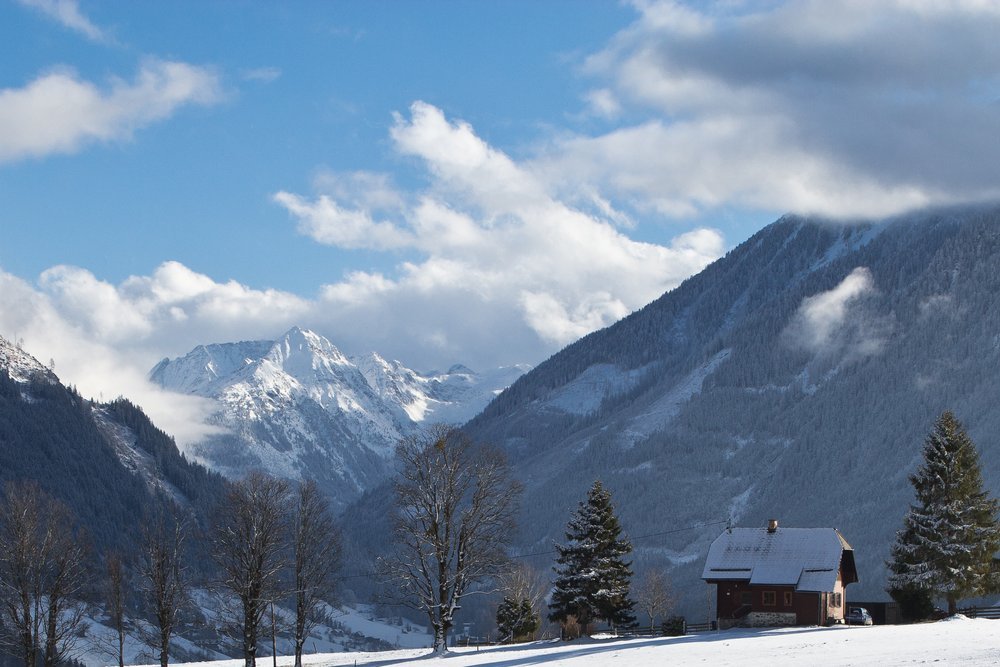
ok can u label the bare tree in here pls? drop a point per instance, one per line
(654, 596)
(113, 644)
(164, 578)
(524, 582)
(250, 548)
(316, 545)
(455, 507)
(42, 575)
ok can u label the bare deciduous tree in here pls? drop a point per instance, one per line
(114, 599)
(524, 582)
(654, 596)
(42, 575)
(164, 579)
(249, 546)
(455, 507)
(316, 545)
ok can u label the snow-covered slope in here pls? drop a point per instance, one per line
(298, 406)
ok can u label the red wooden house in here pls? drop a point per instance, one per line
(780, 576)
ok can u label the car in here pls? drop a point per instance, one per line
(858, 616)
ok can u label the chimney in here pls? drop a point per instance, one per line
(772, 526)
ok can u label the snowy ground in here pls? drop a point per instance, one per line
(956, 641)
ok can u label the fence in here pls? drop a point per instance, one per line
(981, 612)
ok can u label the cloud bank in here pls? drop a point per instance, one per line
(487, 233)
(493, 269)
(833, 107)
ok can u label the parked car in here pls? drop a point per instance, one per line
(858, 616)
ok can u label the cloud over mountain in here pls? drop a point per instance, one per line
(835, 107)
(488, 233)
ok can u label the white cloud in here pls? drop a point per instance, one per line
(488, 232)
(67, 12)
(327, 222)
(835, 107)
(824, 314)
(60, 113)
(838, 324)
(105, 338)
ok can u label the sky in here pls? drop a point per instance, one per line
(441, 181)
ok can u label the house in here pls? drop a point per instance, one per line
(780, 576)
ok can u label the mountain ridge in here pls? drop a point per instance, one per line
(297, 406)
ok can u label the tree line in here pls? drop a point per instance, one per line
(270, 543)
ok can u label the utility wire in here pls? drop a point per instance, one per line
(360, 575)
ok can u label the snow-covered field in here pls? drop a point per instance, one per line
(956, 641)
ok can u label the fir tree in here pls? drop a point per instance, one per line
(950, 535)
(592, 577)
(516, 621)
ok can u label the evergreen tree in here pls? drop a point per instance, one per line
(592, 577)
(516, 621)
(950, 535)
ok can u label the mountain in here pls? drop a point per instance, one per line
(795, 378)
(299, 407)
(107, 462)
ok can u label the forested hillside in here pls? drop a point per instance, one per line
(107, 462)
(795, 378)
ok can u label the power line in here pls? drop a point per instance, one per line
(661, 533)
(634, 539)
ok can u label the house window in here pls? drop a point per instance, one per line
(788, 598)
(770, 598)
(836, 600)
(745, 598)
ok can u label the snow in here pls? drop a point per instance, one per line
(664, 409)
(587, 391)
(781, 557)
(299, 398)
(20, 365)
(959, 641)
(362, 619)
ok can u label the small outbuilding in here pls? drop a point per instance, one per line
(780, 576)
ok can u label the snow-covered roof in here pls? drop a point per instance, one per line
(807, 558)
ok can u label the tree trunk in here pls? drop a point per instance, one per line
(164, 648)
(51, 653)
(440, 639)
(249, 637)
(952, 606)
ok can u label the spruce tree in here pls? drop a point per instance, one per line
(592, 577)
(516, 621)
(950, 535)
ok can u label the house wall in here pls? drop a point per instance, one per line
(835, 612)
(809, 608)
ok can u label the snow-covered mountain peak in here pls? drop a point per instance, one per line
(307, 357)
(207, 368)
(298, 405)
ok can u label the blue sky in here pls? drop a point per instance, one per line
(477, 182)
